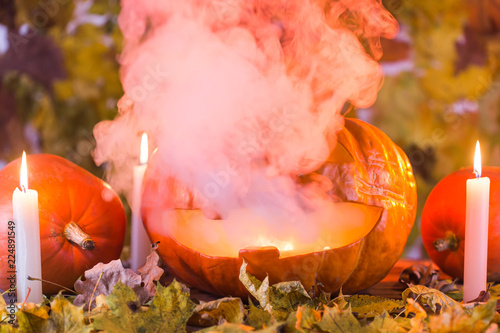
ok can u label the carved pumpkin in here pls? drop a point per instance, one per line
(82, 220)
(371, 177)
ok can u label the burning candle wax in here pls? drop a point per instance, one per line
(28, 257)
(140, 246)
(476, 231)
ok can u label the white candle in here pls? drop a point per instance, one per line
(476, 232)
(140, 246)
(28, 256)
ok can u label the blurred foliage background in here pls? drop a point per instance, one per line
(59, 76)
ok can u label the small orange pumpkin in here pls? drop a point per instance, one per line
(82, 220)
(443, 222)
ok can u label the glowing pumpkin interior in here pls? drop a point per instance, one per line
(337, 225)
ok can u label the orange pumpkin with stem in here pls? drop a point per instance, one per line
(82, 220)
(443, 222)
(371, 177)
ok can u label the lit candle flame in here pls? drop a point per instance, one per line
(144, 149)
(477, 160)
(24, 174)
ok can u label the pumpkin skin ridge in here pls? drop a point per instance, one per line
(355, 266)
(377, 138)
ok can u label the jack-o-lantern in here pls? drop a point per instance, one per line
(372, 183)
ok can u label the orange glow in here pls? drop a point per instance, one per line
(280, 245)
(477, 160)
(144, 149)
(24, 173)
(211, 237)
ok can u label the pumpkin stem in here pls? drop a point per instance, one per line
(75, 234)
(450, 242)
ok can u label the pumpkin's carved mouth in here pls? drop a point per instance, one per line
(342, 224)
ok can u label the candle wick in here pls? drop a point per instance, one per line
(23, 188)
(476, 172)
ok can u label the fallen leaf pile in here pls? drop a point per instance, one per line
(426, 275)
(114, 299)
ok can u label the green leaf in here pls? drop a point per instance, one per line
(429, 297)
(66, 317)
(258, 318)
(211, 313)
(365, 306)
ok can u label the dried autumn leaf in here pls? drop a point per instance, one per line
(255, 287)
(364, 306)
(285, 297)
(449, 288)
(280, 299)
(170, 309)
(340, 301)
(65, 317)
(336, 320)
(258, 318)
(414, 307)
(419, 274)
(484, 15)
(306, 318)
(124, 313)
(483, 297)
(495, 290)
(32, 318)
(103, 278)
(455, 319)
(150, 274)
(428, 276)
(227, 309)
(4, 311)
(229, 328)
(384, 323)
(8, 329)
(101, 305)
(430, 298)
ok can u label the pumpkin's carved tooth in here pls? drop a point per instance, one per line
(74, 234)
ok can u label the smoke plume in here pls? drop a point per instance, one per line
(242, 96)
